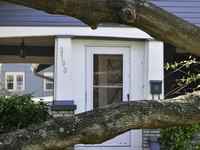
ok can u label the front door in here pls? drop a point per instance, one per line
(108, 82)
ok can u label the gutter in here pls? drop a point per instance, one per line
(34, 70)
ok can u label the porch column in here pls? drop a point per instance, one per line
(154, 68)
(63, 105)
(63, 68)
(153, 73)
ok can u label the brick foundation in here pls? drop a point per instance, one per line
(61, 113)
(146, 134)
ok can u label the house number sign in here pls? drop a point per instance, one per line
(62, 60)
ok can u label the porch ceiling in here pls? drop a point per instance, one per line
(37, 50)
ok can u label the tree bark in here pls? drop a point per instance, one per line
(105, 123)
(155, 21)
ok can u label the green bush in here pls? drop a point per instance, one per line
(20, 111)
(180, 137)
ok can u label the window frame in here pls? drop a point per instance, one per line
(15, 74)
(48, 74)
(108, 50)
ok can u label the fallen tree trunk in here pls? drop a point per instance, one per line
(153, 20)
(105, 123)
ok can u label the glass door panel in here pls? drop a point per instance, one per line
(107, 79)
(106, 96)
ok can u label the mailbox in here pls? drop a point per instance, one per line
(156, 86)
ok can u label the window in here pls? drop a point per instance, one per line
(15, 81)
(107, 79)
(48, 85)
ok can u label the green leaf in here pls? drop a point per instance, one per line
(167, 66)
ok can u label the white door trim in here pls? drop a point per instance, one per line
(123, 50)
(90, 51)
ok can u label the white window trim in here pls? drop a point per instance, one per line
(15, 80)
(48, 74)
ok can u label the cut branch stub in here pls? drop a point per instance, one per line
(128, 15)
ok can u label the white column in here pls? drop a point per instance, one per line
(63, 68)
(153, 69)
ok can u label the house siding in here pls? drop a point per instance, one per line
(32, 83)
(17, 15)
(186, 9)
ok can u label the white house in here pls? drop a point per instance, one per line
(91, 68)
(96, 71)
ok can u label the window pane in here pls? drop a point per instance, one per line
(10, 83)
(108, 69)
(19, 80)
(9, 78)
(107, 79)
(106, 96)
(49, 86)
(10, 86)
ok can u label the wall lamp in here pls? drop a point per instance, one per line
(22, 49)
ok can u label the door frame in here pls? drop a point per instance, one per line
(115, 50)
(90, 51)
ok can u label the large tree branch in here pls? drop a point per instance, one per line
(102, 124)
(155, 21)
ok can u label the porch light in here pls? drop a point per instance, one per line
(22, 49)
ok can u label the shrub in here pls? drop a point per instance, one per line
(180, 137)
(20, 111)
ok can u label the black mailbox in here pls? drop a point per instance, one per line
(156, 86)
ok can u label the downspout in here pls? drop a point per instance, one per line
(34, 68)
